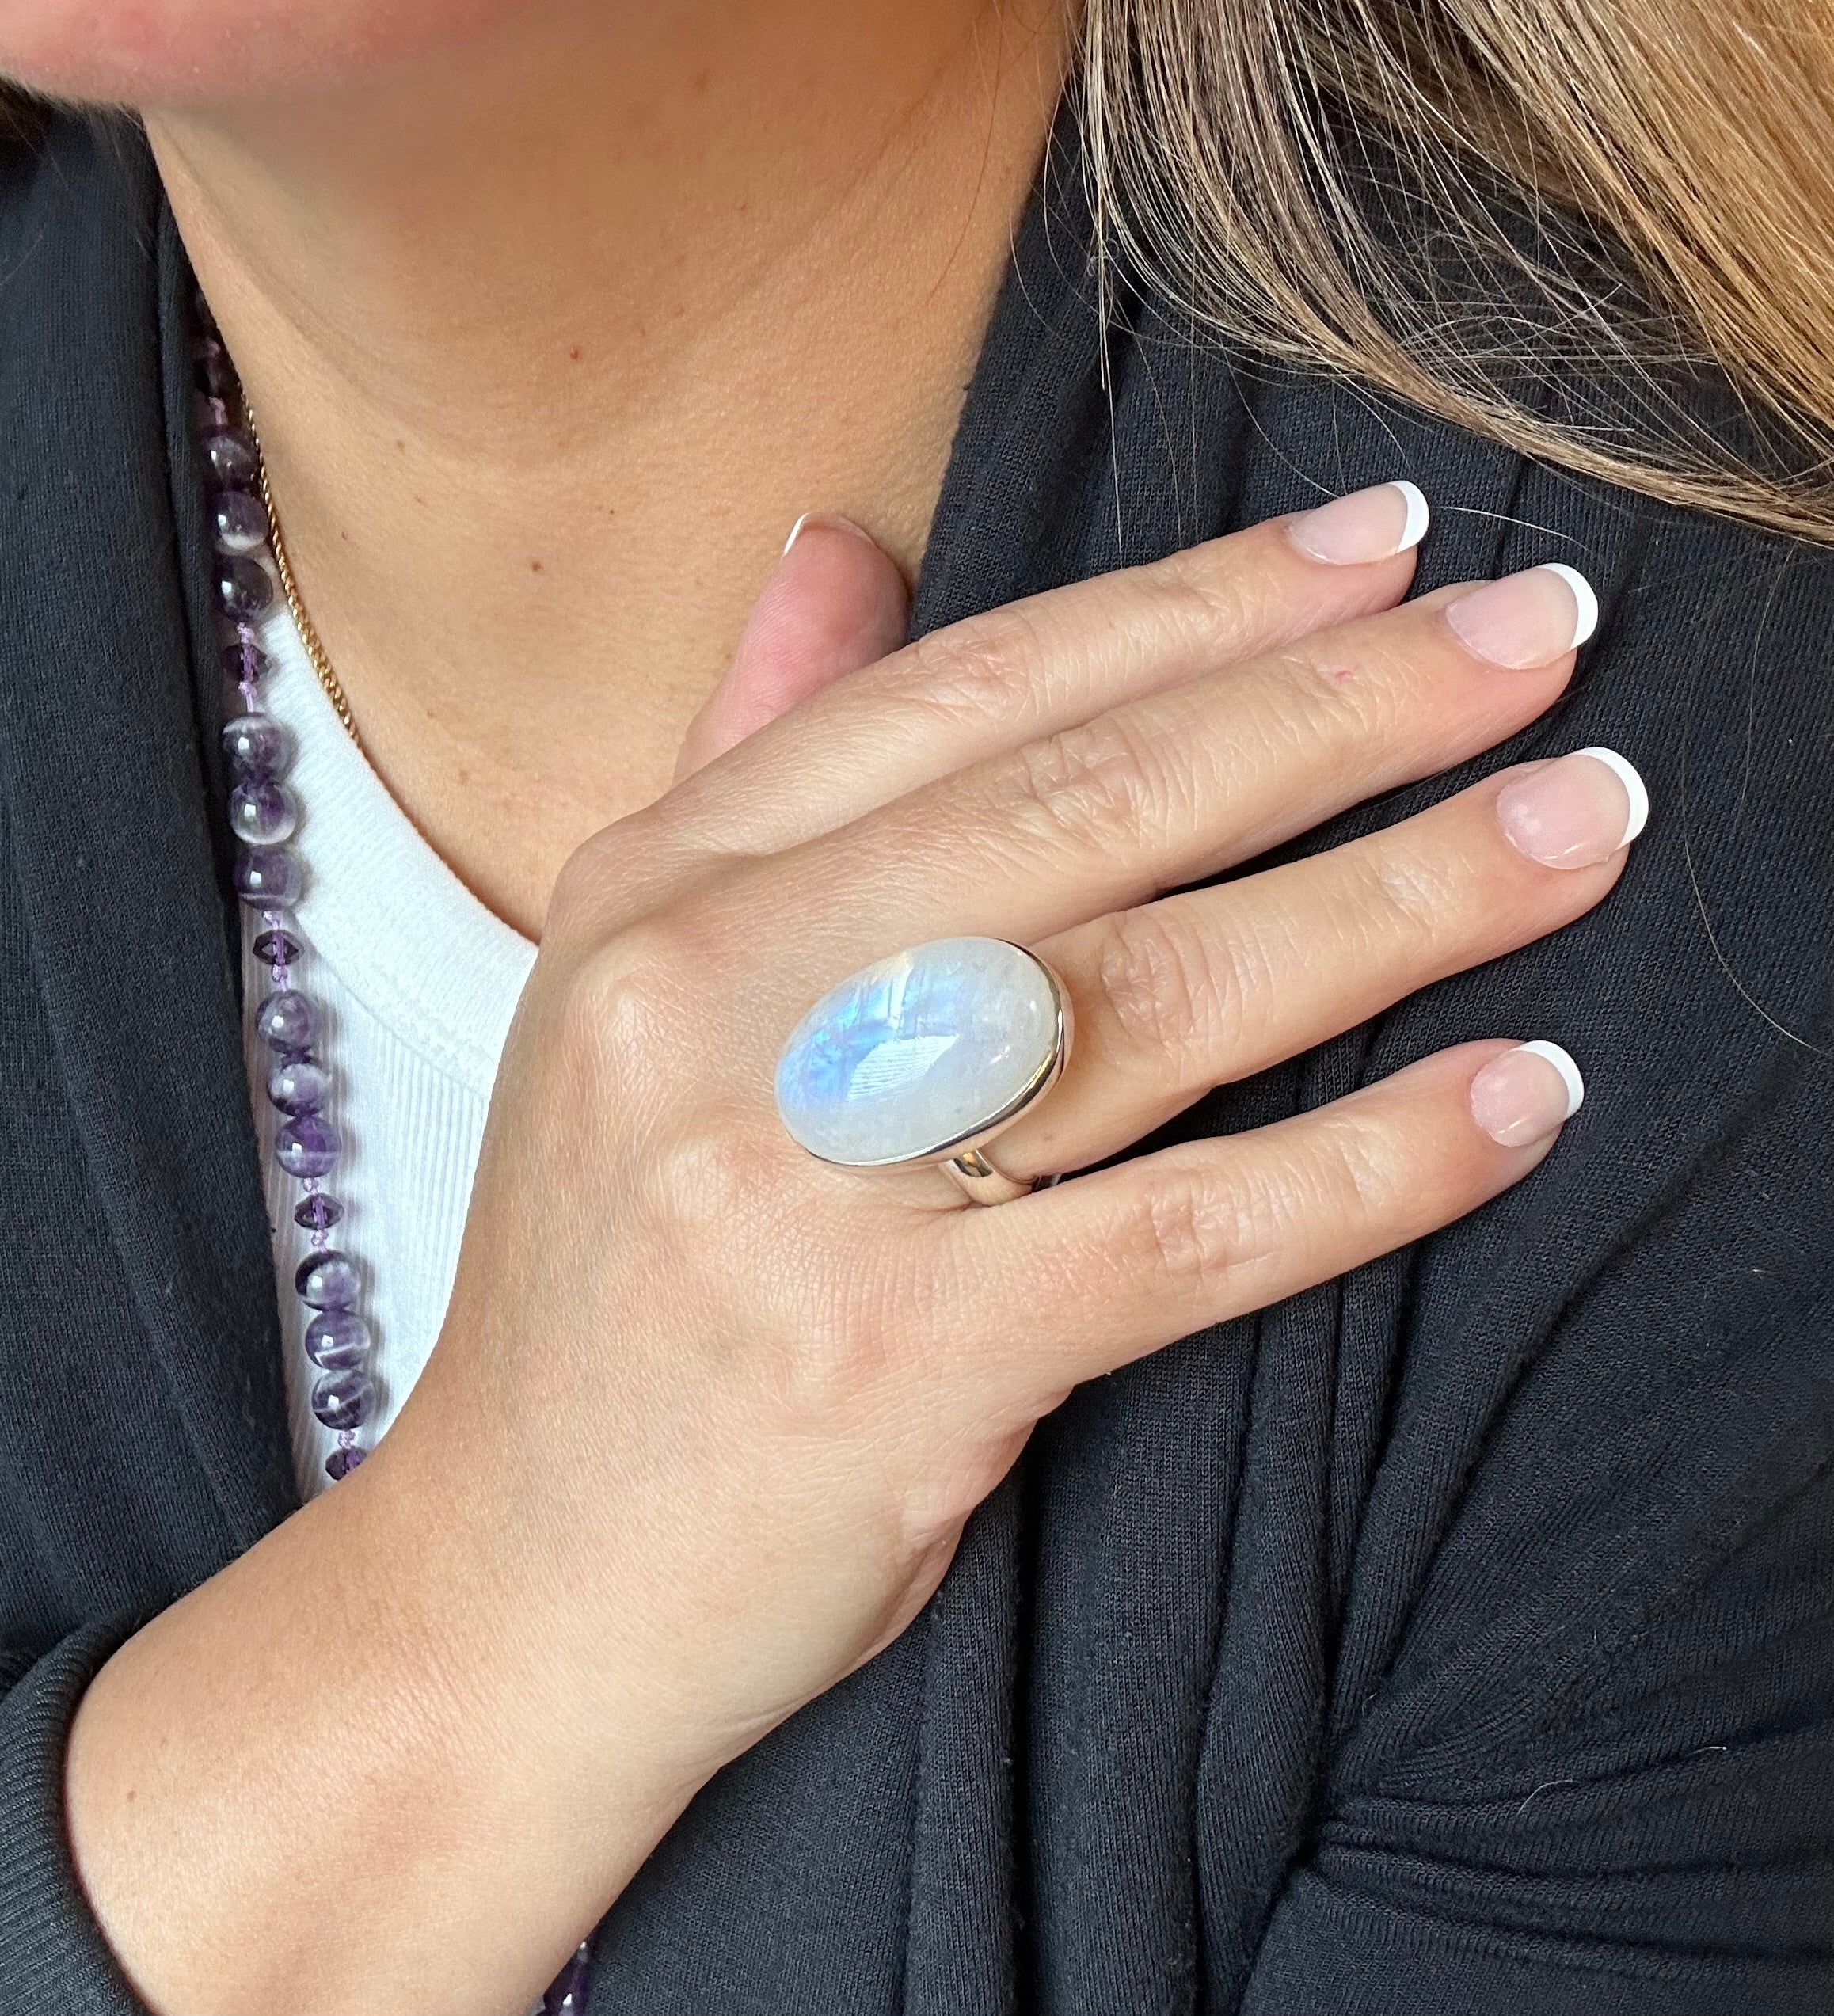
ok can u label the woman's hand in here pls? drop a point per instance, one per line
(707, 1415)
(762, 1394)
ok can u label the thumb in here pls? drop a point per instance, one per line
(834, 603)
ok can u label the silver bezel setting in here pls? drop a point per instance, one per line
(1015, 1108)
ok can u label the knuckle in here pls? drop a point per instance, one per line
(812, 1349)
(620, 1012)
(840, 1337)
(579, 891)
(1097, 782)
(1182, 611)
(599, 880)
(1409, 897)
(998, 666)
(1363, 1179)
(975, 674)
(1206, 593)
(1198, 1231)
(1162, 984)
(832, 1369)
(713, 1181)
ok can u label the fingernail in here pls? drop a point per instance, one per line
(1526, 1094)
(1575, 813)
(1529, 619)
(831, 519)
(1374, 524)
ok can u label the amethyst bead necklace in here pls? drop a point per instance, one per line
(265, 815)
(269, 878)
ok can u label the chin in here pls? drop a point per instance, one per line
(201, 52)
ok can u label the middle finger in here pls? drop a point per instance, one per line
(1174, 788)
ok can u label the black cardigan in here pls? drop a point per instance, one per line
(1458, 1636)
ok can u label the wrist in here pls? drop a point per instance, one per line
(358, 1706)
(535, 1693)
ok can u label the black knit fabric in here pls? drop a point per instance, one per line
(1456, 1637)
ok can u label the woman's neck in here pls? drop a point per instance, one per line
(550, 342)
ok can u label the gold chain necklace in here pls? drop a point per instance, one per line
(315, 652)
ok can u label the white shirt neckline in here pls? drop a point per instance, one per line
(399, 929)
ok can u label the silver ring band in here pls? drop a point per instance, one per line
(983, 1184)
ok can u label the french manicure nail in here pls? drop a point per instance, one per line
(832, 519)
(1576, 812)
(1634, 788)
(1372, 524)
(1526, 1094)
(1527, 619)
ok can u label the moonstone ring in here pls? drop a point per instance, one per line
(925, 1058)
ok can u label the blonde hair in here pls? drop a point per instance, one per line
(1479, 205)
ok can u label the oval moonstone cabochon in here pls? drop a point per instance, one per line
(916, 1055)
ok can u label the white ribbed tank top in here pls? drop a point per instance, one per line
(415, 981)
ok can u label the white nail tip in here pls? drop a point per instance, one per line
(1568, 1072)
(1582, 594)
(1634, 789)
(1419, 516)
(796, 531)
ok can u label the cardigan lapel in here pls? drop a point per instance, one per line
(101, 633)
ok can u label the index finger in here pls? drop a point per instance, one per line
(993, 682)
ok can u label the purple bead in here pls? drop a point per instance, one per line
(263, 813)
(257, 745)
(216, 375)
(566, 1995)
(287, 1019)
(340, 1462)
(337, 1341)
(318, 1213)
(276, 949)
(233, 460)
(307, 1147)
(249, 662)
(238, 522)
(341, 1400)
(326, 1280)
(298, 1084)
(243, 589)
(269, 878)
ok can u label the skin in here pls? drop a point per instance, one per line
(733, 259)
(761, 1395)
